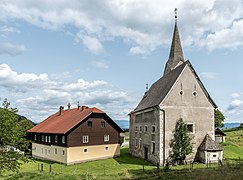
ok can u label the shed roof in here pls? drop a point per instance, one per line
(219, 132)
(61, 124)
(209, 144)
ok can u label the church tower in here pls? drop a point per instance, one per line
(176, 55)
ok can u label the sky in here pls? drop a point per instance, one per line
(103, 53)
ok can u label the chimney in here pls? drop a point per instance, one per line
(69, 105)
(78, 106)
(84, 107)
(61, 108)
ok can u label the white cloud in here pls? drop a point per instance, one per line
(12, 49)
(7, 29)
(234, 111)
(145, 26)
(100, 64)
(209, 75)
(38, 96)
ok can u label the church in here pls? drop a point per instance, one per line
(179, 93)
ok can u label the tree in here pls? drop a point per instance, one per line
(181, 143)
(11, 139)
(218, 118)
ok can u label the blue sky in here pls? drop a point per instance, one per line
(102, 53)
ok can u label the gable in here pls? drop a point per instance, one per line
(188, 91)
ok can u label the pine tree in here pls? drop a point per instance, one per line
(181, 143)
(11, 138)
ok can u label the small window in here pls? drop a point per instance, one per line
(194, 93)
(56, 139)
(153, 147)
(85, 139)
(140, 144)
(63, 152)
(48, 152)
(63, 139)
(214, 155)
(85, 150)
(89, 123)
(42, 138)
(55, 151)
(102, 124)
(136, 128)
(49, 139)
(136, 142)
(153, 129)
(106, 138)
(35, 137)
(145, 128)
(140, 128)
(46, 138)
(107, 148)
(189, 128)
(181, 92)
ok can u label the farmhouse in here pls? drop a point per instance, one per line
(76, 135)
(179, 93)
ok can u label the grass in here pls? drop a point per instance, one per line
(128, 167)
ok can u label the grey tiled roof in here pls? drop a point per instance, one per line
(209, 144)
(158, 91)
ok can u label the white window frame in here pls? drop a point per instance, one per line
(55, 151)
(86, 139)
(106, 137)
(46, 138)
(49, 139)
(56, 138)
(63, 139)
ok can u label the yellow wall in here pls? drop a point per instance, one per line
(42, 151)
(75, 154)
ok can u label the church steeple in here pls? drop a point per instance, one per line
(176, 55)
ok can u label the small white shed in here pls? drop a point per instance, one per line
(210, 151)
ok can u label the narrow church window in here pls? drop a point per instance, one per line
(140, 128)
(140, 144)
(153, 129)
(145, 128)
(136, 128)
(63, 152)
(136, 142)
(181, 92)
(153, 147)
(194, 93)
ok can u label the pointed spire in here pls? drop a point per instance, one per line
(176, 55)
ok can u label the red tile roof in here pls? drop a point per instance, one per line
(61, 124)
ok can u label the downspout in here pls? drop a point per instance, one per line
(163, 135)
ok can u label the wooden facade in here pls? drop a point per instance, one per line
(91, 128)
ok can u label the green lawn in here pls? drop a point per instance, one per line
(128, 167)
